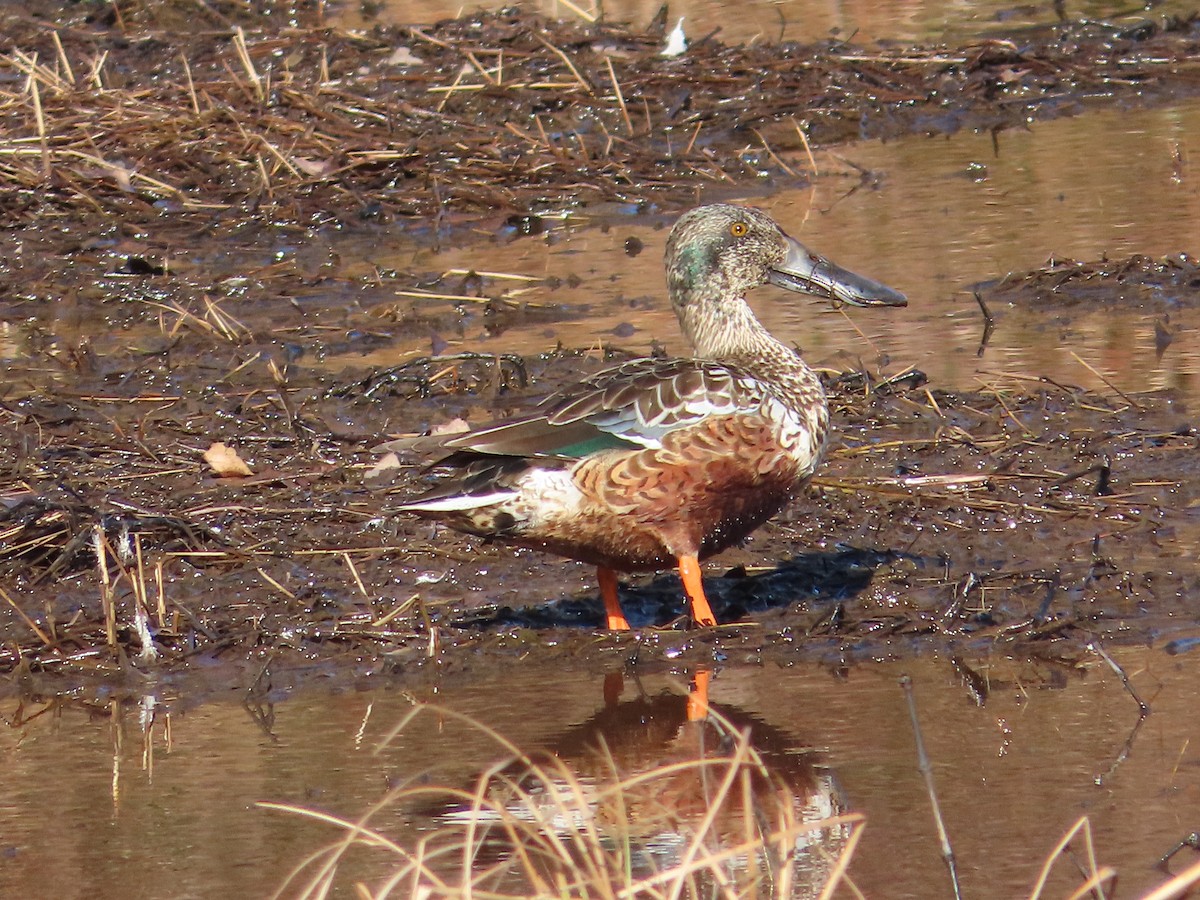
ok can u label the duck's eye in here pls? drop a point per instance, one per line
(739, 229)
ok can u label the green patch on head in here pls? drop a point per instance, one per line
(695, 262)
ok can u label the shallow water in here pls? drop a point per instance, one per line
(933, 217)
(97, 806)
(791, 20)
(938, 216)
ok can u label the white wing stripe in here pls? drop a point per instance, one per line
(460, 502)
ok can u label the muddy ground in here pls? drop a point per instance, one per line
(1040, 516)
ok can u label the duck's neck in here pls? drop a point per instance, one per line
(724, 330)
(729, 332)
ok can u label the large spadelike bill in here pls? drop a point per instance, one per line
(810, 273)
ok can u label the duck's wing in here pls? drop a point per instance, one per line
(632, 405)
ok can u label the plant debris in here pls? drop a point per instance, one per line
(1030, 511)
(277, 113)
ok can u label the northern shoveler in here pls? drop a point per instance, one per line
(661, 462)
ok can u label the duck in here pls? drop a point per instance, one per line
(659, 463)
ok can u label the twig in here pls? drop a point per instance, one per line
(187, 70)
(99, 544)
(812, 161)
(927, 772)
(1081, 826)
(583, 82)
(62, 56)
(243, 52)
(94, 76)
(771, 153)
(362, 588)
(1095, 647)
(1124, 396)
(42, 636)
(275, 584)
(40, 118)
(1190, 840)
(621, 99)
(448, 90)
(480, 69)
(862, 334)
(588, 17)
(1177, 886)
(989, 323)
(1143, 712)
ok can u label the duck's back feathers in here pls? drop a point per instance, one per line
(632, 405)
(601, 472)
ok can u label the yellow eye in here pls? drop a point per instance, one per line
(739, 229)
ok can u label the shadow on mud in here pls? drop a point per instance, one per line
(818, 583)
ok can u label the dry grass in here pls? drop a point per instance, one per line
(715, 824)
(495, 111)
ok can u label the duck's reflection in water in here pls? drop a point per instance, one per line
(663, 786)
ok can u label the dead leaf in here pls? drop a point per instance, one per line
(225, 462)
(402, 56)
(313, 168)
(387, 465)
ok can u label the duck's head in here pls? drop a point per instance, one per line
(717, 253)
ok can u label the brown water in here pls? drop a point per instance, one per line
(792, 20)
(96, 805)
(943, 213)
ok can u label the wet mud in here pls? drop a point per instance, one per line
(1035, 514)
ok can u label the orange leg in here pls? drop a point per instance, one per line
(612, 606)
(689, 571)
(697, 702)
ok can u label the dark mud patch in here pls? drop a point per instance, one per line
(1035, 515)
